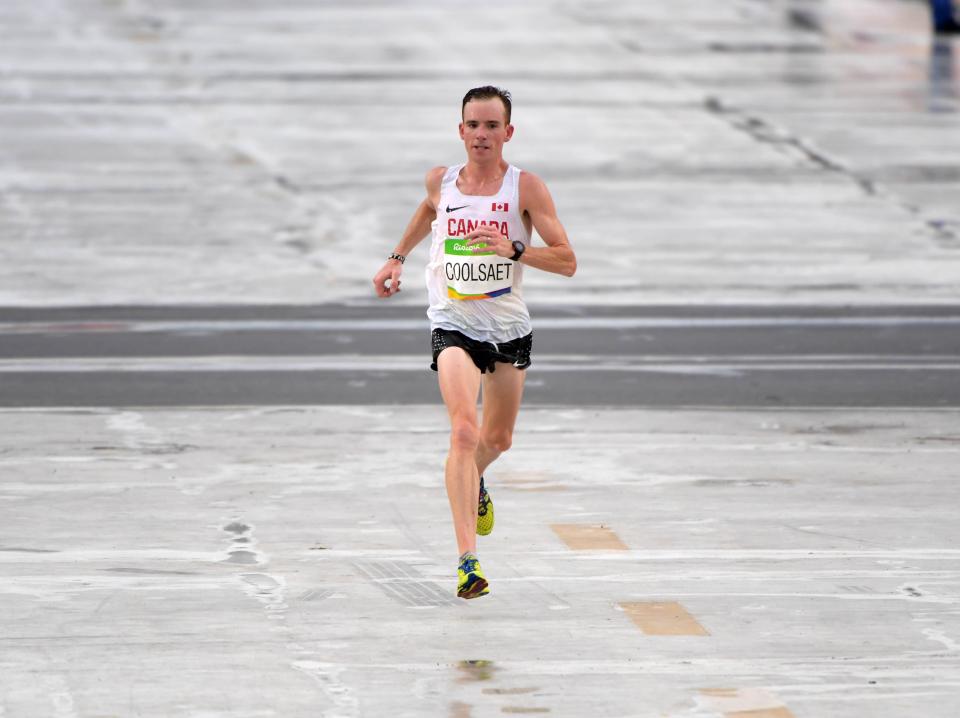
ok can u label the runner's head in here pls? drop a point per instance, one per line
(487, 92)
(486, 123)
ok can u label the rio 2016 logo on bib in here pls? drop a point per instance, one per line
(475, 273)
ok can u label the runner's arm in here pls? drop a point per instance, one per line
(417, 228)
(558, 256)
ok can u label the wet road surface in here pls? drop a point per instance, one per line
(378, 354)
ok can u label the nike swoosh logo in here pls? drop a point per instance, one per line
(454, 209)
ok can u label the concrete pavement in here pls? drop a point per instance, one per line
(297, 561)
(737, 152)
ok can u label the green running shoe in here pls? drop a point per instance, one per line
(484, 512)
(472, 583)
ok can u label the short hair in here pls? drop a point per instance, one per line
(487, 92)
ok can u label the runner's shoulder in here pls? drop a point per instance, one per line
(432, 181)
(434, 178)
(532, 188)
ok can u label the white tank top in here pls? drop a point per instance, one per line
(478, 294)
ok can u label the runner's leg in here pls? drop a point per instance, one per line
(502, 394)
(460, 386)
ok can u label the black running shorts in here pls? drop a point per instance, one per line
(484, 354)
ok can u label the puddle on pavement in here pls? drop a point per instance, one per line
(509, 691)
(269, 591)
(481, 671)
(943, 89)
(245, 558)
(845, 429)
(242, 548)
(149, 571)
(539, 487)
(736, 483)
(473, 671)
(529, 481)
(945, 439)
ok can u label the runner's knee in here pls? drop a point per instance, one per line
(464, 435)
(499, 440)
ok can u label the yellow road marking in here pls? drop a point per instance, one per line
(745, 703)
(780, 712)
(663, 618)
(584, 537)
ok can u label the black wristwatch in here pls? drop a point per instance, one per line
(518, 248)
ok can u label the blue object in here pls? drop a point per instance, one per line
(944, 17)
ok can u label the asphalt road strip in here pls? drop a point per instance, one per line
(718, 365)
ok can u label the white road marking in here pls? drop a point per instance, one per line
(360, 324)
(719, 365)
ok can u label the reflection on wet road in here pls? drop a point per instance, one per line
(618, 356)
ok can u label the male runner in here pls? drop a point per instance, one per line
(480, 213)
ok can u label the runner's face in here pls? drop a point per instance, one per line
(484, 129)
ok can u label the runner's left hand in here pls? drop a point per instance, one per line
(494, 241)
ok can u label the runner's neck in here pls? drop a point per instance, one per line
(480, 179)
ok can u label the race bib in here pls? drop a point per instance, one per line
(475, 274)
